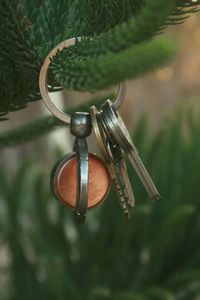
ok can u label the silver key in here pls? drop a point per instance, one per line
(121, 192)
(118, 133)
(114, 170)
(116, 156)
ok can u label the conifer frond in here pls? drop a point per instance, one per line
(182, 11)
(33, 130)
(96, 73)
(19, 57)
(29, 30)
(93, 57)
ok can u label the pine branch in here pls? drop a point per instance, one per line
(95, 17)
(32, 28)
(31, 7)
(51, 24)
(182, 12)
(96, 73)
(35, 129)
(124, 35)
(19, 57)
(108, 49)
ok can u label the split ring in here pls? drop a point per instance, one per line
(44, 85)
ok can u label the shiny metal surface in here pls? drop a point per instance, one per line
(64, 180)
(118, 132)
(123, 193)
(81, 125)
(58, 185)
(44, 85)
(116, 156)
(81, 149)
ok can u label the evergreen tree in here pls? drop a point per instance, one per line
(155, 255)
(122, 46)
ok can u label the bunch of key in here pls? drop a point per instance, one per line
(115, 142)
(81, 180)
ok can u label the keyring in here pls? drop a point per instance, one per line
(44, 86)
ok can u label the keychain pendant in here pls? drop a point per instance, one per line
(81, 180)
(64, 180)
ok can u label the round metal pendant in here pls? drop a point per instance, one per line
(64, 180)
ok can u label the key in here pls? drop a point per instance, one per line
(80, 180)
(121, 192)
(115, 172)
(117, 157)
(118, 133)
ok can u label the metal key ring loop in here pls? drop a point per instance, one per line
(81, 149)
(44, 86)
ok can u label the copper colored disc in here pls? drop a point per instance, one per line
(65, 181)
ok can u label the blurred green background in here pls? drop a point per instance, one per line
(154, 255)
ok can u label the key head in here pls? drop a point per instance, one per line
(64, 180)
(116, 126)
(99, 133)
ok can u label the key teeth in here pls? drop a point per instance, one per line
(124, 207)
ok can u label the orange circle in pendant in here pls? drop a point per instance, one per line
(64, 180)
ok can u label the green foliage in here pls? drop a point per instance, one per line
(92, 73)
(29, 29)
(154, 255)
(18, 57)
(35, 129)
